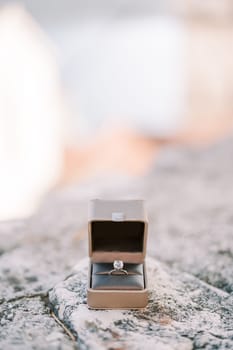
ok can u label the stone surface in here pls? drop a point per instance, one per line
(183, 313)
(189, 197)
(190, 201)
(26, 324)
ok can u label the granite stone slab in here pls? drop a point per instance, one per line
(26, 324)
(183, 313)
(189, 197)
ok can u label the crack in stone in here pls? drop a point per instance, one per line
(27, 296)
(44, 298)
(63, 326)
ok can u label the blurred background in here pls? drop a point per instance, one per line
(95, 88)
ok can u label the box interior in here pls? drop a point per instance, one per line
(101, 280)
(109, 236)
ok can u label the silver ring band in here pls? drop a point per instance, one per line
(118, 272)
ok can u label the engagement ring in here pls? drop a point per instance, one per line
(118, 268)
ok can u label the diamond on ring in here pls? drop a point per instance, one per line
(118, 264)
(118, 268)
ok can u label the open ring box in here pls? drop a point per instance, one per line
(117, 230)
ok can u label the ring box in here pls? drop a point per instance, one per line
(117, 230)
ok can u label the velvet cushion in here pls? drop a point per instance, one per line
(100, 278)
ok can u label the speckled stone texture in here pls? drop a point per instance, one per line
(183, 313)
(189, 196)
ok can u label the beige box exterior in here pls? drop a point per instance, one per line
(120, 211)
